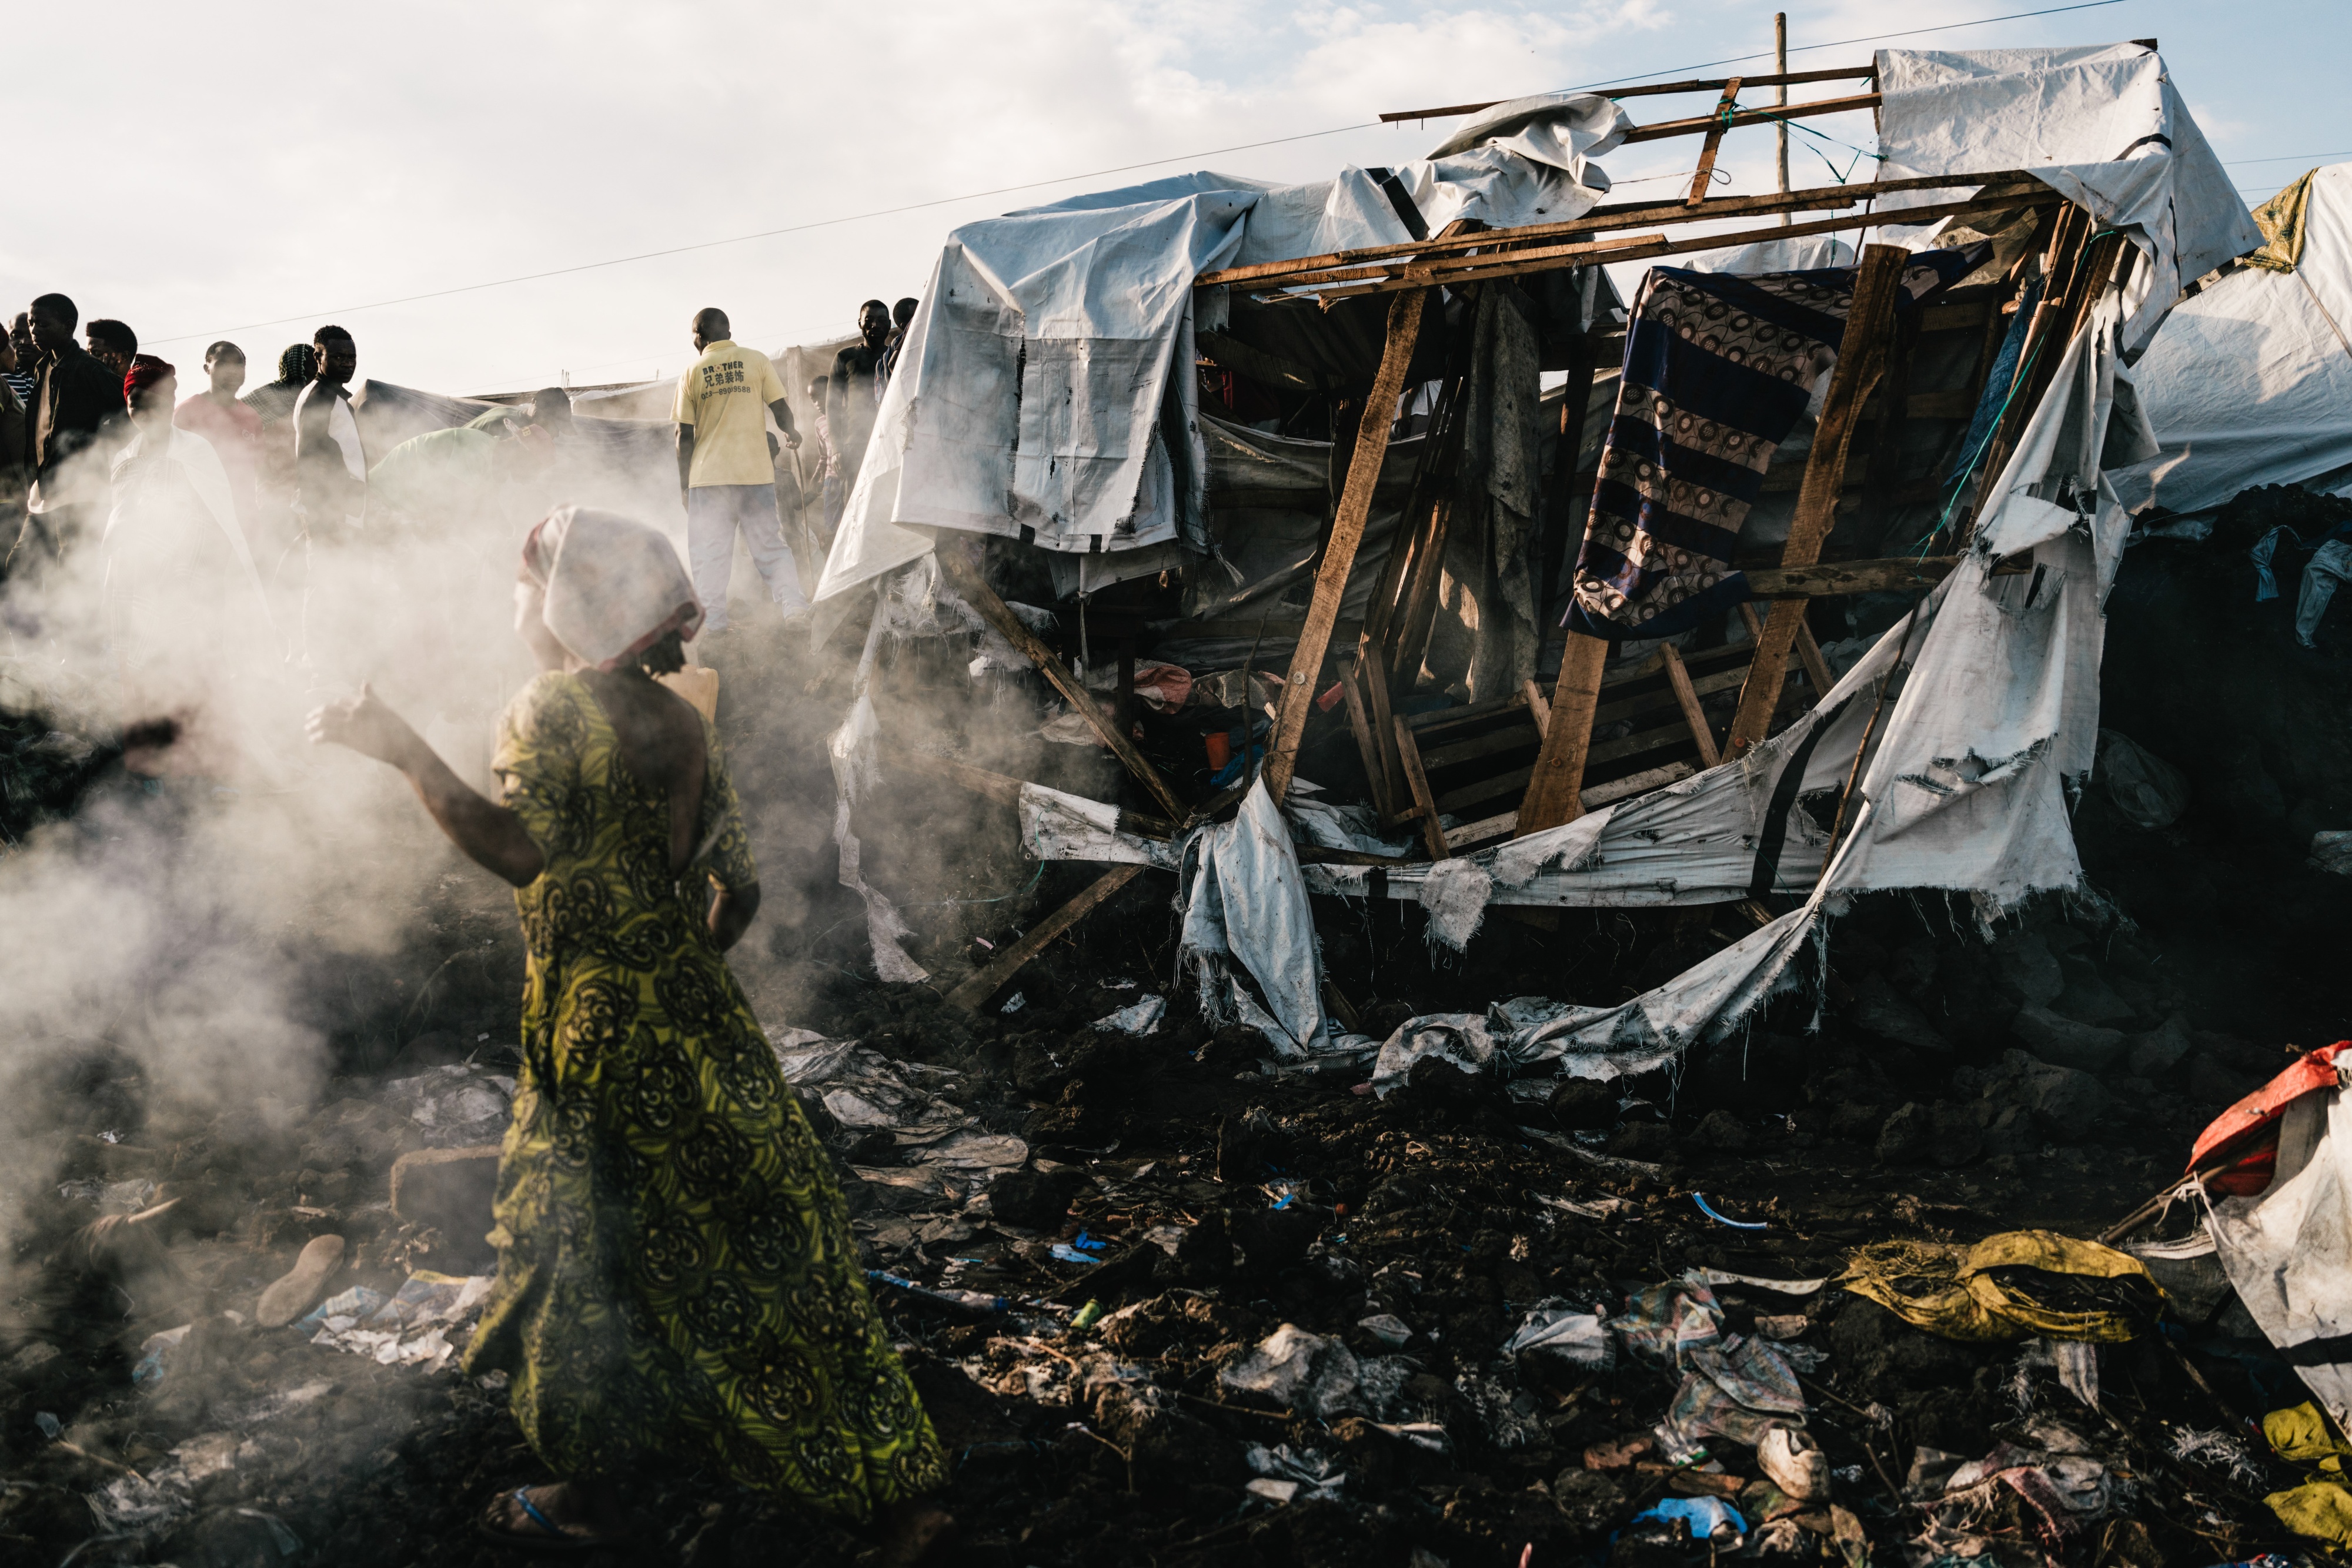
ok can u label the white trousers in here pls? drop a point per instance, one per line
(713, 515)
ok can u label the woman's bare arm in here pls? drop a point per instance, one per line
(731, 912)
(488, 834)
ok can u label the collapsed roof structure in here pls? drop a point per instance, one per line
(1920, 443)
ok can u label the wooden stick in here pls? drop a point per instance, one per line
(1862, 352)
(970, 994)
(1359, 720)
(976, 592)
(1666, 128)
(1409, 754)
(1458, 271)
(1693, 714)
(1724, 110)
(1809, 651)
(1347, 534)
(1627, 215)
(1555, 785)
(1650, 89)
(1539, 708)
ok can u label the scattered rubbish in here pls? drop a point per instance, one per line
(1087, 1316)
(153, 1351)
(51, 1426)
(1987, 1292)
(1721, 1218)
(1018, 999)
(1387, 1328)
(1140, 1017)
(1791, 1460)
(454, 1105)
(294, 1293)
(1317, 1377)
(1707, 1518)
(969, 1300)
(409, 1327)
(1574, 1336)
(1318, 1474)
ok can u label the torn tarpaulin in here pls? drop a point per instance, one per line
(1244, 901)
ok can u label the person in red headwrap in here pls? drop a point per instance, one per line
(185, 619)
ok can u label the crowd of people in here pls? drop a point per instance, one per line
(677, 1277)
(294, 460)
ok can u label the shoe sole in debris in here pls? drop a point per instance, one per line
(299, 1288)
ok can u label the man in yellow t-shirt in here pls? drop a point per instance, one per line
(724, 473)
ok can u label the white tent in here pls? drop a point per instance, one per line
(2250, 383)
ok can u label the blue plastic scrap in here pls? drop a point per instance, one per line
(1705, 1515)
(1708, 1209)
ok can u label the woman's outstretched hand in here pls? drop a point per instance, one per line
(365, 725)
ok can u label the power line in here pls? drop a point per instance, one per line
(1032, 184)
(2282, 158)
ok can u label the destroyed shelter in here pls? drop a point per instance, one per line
(1790, 593)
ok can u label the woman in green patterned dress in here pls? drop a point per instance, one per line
(675, 1272)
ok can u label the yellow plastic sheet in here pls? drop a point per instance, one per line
(1951, 1291)
(2319, 1509)
(2283, 219)
(2300, 1433)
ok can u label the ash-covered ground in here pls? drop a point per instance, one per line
(1168, 1306)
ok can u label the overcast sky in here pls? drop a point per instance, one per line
(201, 176)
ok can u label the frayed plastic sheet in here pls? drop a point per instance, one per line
(1243, 900)
(904, 604)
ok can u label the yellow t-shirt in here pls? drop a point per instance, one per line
(725, 396)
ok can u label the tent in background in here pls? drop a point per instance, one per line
(2250, 383)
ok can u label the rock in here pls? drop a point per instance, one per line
(1206, 1253)
(2085, 1047)
(1907, 1136)
(2028, 968)
(1723, 1132)
(2160, 1050)
(2213, 1085)
(1642, 1141)
(1165, 1446)
(1036, 1201)
(2088, 998)
(1582, 1104)
(1880, 1009)
(2008, 1131)
(450, 1190)
(2065, 1104)
(1589, 1502)
(1956, 1136)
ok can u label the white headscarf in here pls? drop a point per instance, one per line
(610, 587)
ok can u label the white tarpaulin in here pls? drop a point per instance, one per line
(2288, 1249)
(1036, 393)
(2251, 381)
(2100, 124)
(1243, 900)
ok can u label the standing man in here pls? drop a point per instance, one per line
(331, 465)
(851, 398)
(112, 344)
(73, 397)
(20, 379)
(234, 430)
(902, 315)
(724, 472)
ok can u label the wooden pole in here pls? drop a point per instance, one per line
(975, 592)
(1723, 109)
(1781, 97)
(1686, 699)
(983, 985)
(1347, 534)
(1862, 355)
(1554, 786)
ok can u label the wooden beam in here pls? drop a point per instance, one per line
(1372, 676)
(1554, 788)
(1359, 720)
(1652, 89)
(975, 592)
(1005, 790)
(1725, 109)
(1818, 581)
(1232, 354)
(1415, 779)
(1862, 355)
(1506, 825)
(970, 994)
(1774, 116)
(1457, 271)
(1538, 707)
(1347, 534)
(1616, 216)
(1687, 700)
